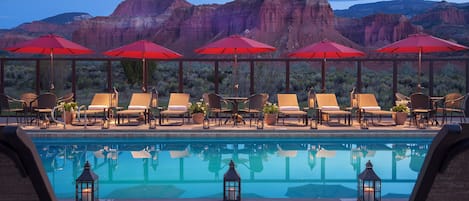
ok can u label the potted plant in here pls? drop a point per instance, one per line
(270, 113)
(401, 111)
(197, 111)
(69, 111)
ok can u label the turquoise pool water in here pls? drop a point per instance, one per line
(269, 168)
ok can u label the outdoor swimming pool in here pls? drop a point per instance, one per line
(269, 168)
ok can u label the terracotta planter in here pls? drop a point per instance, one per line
(400, 117)
(270, 119)
(198, 118)
(68, 117)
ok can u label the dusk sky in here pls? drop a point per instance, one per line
(16, 12)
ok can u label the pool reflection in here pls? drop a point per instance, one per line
(268, 168)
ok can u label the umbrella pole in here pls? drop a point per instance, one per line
(419, 87)
(323, 75)
(52, 70)
(236, 84)
(144, 76)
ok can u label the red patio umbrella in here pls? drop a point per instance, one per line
(49, 44)
(325, 50)
(421, 43)
(235, 45)
(143, 49)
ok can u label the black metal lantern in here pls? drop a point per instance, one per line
(154, 98)
(313, 124)
(152, 122)
(260, 121)
(364, 123)
(86, 185)
(206, 122)
(311, 98)
(231, 184)
(369, 185)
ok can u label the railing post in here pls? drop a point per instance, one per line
(359, 76)
(467, 76)
(251, 78)
(430, 78)
(2, 76)
(180, 77)
(394, 79)
(109, 75)
(74, 79)
(216, 80)
(38, 75)
(287, 76)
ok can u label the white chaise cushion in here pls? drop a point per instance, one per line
(137, 107)
(177, 107)
(330, 108)
(371, 108)
(97, 107)
(289, 108)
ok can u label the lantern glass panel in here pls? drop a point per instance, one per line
(232, 190)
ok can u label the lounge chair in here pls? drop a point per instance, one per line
(443, 175)
(100, 104)
(139, 104)
(177, 106)
(21, 172)
(328, 106)
(368, 105)
(288, 106)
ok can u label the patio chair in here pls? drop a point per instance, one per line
(67, 98)
(453, 103)
(327, 106)
(288, 106)
(177, 106)
(215, 106)
(255, 104)
(9, 105)
(30, 103)
(45, 105)
(21, 171)
(368, 105)
(420, 108)
(443, 175)
(139, 105)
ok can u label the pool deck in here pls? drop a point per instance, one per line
(291, 129)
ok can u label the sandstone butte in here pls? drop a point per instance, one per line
(285, 24)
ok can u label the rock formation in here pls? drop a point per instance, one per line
(285, 24)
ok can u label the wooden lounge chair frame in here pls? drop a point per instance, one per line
(288, 106)
(139, 104)
(367, 104)
(177, 102)
(327, 105)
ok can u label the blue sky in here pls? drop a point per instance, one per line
(16, 12)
